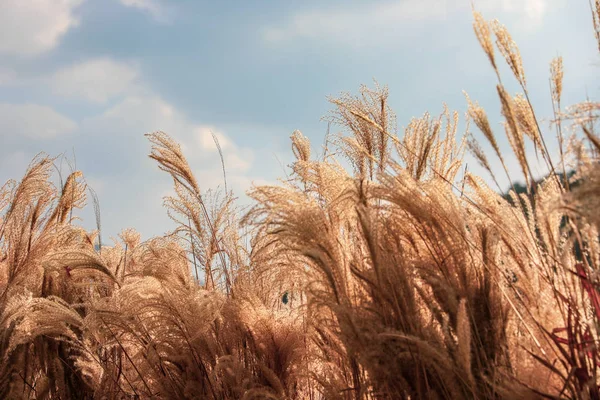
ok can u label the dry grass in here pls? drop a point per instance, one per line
(402, 277)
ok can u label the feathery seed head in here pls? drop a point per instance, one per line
(300, 146)
(478, 153)
(556, 71)
(508, 48)
(526, 120)
(482, 31)
(479, 116)
(130, 237)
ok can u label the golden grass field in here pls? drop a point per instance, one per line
(402, 276)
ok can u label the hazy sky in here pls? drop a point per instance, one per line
(92, 76)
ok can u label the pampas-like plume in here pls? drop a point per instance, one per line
(384, 281)
(508, 48)
(482, 31)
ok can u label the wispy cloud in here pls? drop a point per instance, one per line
(155, 8)
(357, 25)
(118, 145)
(111, 140)
(34, 27)
(383, 22)
(136, 115)
(204, 138)
(97, 80)
(533, 10)
(33, 121)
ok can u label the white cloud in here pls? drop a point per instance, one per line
(239, 160)
(33, 121)
(110, 146)
(131, 188)
(356, 25)
(30, 27)
(142, 113)
(136, 115)
(97, 80)
(383, 22)
(154, 7)
(204, 138)
(532, 10)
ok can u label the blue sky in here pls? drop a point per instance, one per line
(92, 76)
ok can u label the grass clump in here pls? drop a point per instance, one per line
(402, 277)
